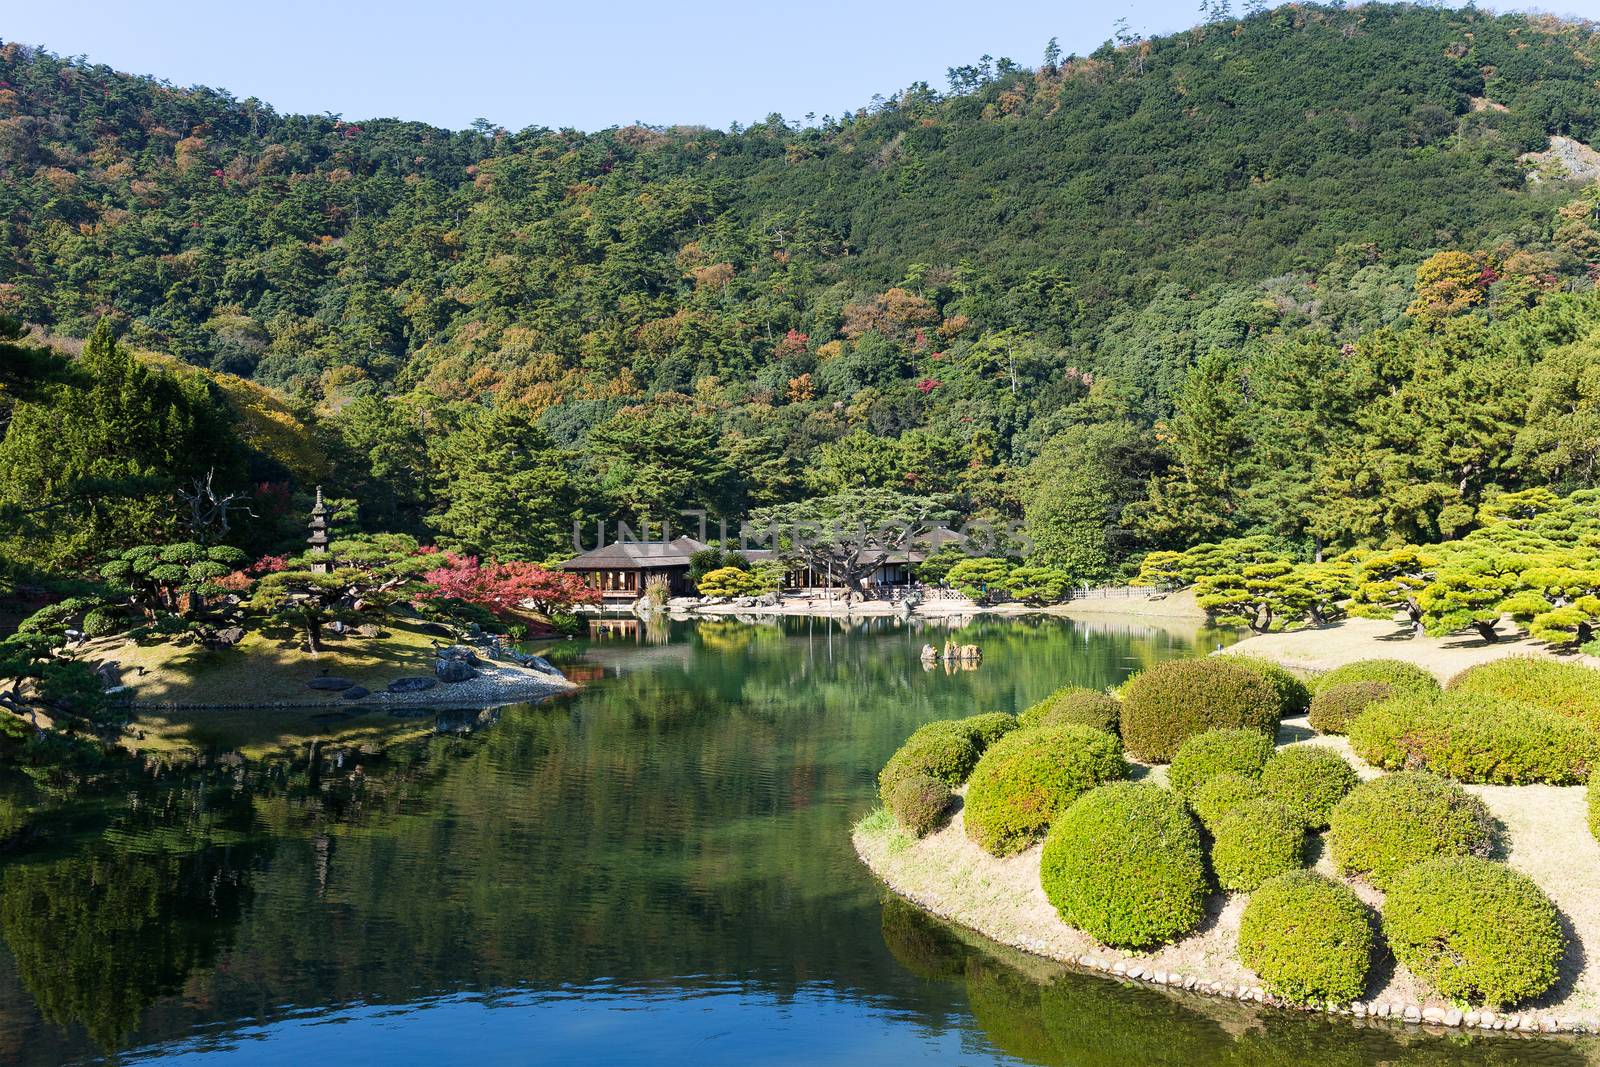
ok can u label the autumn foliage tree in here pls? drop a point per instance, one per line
(508, 587)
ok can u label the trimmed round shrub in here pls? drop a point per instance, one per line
(1204, 756)
(988, 727)
(1125, 865)
(919, 803)
(1308, 938)
(1399, 675)
(944, 750)
(1029, 777)
(1400, 820)
(1256, 840)
(1076, 704)
(1171, 702)
(1566, 688)
(103, 622)
(1333, 708)
(1220, 794)
(1294, 696)
(1309, 780)
(1474, 930)
(1476, 737)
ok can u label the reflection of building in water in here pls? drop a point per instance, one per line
(651, 630)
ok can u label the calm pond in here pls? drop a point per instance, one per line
(657, 870)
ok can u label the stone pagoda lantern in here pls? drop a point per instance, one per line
(322, 562)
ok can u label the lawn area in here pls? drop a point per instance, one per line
(265, 669)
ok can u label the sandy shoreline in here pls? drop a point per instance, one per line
(1544, 835)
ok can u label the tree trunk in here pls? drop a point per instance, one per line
(1486, 630)
(313, 635)
(1585, 633)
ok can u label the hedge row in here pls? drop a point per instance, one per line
(1476, 737)
(1125, 865)
(1075, 704)
(1166, 705)
(1029, 777)
(1565, 688)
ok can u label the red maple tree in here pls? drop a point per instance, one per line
(505, 587)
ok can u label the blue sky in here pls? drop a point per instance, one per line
(584, 64)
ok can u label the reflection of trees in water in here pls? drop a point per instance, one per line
(97, 938)
(1068, 1019)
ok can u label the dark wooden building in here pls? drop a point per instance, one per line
(621, 571)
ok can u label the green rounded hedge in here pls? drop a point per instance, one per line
(1400, 820)
(1474, 931)
(1204, 756)
(1308, 938)
(919, 803)
(1029, 777)
(1090, 707)
(1220, 794)
(945, 750)
(1166, 705)
(1333, 708)
(1125, 865)
(1294, 696)
(1255, 841)
(1403, 677)
(1476, 737)
(1566, 688)
(1594, 804)
(103, 622)
(988, 727)
(1309, 780)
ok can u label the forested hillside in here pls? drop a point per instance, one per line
(1285, 274)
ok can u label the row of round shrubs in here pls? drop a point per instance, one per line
(916, 784)
(1476, 737)
(1472, 929)
(1220, 769)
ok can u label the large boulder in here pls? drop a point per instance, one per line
(435, 629)
(460, 652)
(453, 670)
(414, 684)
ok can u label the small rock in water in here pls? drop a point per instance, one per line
(1453, 1017)
(356, 692)
(1433, 1015)
(1411, 1014)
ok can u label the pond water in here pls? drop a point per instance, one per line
(656, 870)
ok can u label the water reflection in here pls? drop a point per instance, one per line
(655, 870)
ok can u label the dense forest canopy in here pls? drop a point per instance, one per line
(1294, 274)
